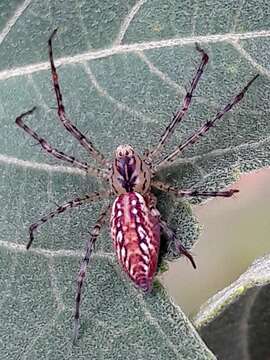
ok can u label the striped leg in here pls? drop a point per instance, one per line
(191, 193)
(85, 261)
(84, 141)
(95, 196)
(202, 130)
(169, 233)
(56, 153)
(171, 236)
(186, 103)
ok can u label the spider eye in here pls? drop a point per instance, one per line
(127, 153)
(120, 153)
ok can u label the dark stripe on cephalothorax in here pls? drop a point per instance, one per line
(126, 167)
(121, 168)
(145, 182)
(131, 166)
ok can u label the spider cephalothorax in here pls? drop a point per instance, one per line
(135, 222)
(129, 172)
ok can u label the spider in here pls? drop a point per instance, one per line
(135, 222)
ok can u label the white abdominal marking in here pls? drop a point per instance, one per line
(146, 258)
(119, 237)
(144, 247)
(145, 267)
(123, 252)
(141, 232)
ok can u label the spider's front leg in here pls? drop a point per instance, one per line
(90, 170)
(178, 116)
(83, 140)
(85, 261)
(169, 159)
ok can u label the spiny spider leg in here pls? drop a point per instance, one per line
(202, 130)
(84, 141)
(95, 196)
(178, 116)
(56, 153)
(85, 261)
(170, 234)
(189, 192)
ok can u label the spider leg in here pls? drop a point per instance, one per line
(177, 117)
(189, 192)
(56, 153)
(84, 141)
(85, 261)
(169, 233)
(202, 130)
(95, 196)
(171, 236)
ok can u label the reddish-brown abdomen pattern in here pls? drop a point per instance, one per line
(136, 235)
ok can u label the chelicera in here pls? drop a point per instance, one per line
(135, 222)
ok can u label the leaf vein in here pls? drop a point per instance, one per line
(164, 77)
(219, 152)
(120, 49)
(156, 324)
(53, 253)
(10, 160)
(55, 291)
(117, 103)
(250, 59)
(127, 21)
(237, 15)
(69, 170)
(244, 322)
(45, 327)
(9, 25)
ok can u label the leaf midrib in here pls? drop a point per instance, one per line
(135, 47)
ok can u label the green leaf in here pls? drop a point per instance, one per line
(118, 322)
(123, 66)
(235, 323)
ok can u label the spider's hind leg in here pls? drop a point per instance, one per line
(95, 196)
(85, 261)
(166, 230)
(172, 239)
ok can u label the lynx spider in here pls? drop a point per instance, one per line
(135, 221)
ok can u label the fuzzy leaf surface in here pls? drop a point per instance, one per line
(123, 67)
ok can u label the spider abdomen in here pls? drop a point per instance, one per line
(136, 236)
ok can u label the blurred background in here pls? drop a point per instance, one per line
(235, 232)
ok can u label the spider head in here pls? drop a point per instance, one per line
(123, 151)
(129, 171)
